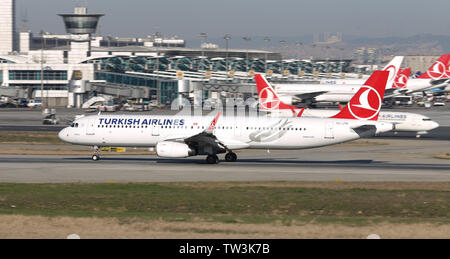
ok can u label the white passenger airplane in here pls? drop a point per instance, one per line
(437, 76)
(332, 90)
(270, 102)
(184, 136)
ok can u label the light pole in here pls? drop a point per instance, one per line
(327, 53)
(267, 40)
(46, 96)
(341, 57)
(298, 44)
(227, 37)
(42, 32)
(247, 39)
(204, 36)
(282, 42)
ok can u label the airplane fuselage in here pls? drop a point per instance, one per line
(403, 121)
(233, 132)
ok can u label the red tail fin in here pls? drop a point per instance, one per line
(402, 78)
(438, 70)
(366, 103)
(268, 98)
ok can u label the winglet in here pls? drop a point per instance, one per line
(300, 113)
(214, 122)
(366, 103)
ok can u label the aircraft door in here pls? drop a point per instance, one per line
(90, 127)
(155, 130)
(237, 129)
(329, 130)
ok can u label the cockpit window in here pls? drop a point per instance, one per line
(426, 119)
(74, 125)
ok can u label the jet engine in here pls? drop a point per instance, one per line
(173, 149)
(287, 99)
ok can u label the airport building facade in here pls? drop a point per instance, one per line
(78, 66)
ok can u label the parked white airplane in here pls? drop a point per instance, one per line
(437, 76)
(184, 136)
(333, 90)
(403, 121)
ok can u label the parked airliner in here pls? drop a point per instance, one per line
(437, 76)
(185, 136)
(332, 90)
(270, 102)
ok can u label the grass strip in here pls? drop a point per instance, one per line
(226, 203)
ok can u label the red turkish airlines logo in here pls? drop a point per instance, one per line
(268, 100)
(392, 72)
(438, 71)
(401, 81)
(366, 105)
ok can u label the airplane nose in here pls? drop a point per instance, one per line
(64, 135)
(434, 125)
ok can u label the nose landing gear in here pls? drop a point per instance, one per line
(96, 155)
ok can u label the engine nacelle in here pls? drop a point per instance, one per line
(173, 149)
(286, 99)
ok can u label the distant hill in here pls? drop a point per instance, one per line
(421, 44)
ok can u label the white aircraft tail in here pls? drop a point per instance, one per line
(268, 99)
(393, 68)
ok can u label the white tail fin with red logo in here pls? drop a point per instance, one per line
(267, 97)
(366, 103)
(402, 78)
(393, 68)
(439, 69)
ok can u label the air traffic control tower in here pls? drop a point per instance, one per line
(80, 25)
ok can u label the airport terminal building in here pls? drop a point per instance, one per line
(67, 70)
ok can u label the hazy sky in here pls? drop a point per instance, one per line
(188, 18)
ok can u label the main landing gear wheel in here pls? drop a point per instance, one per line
(231, 157)
(212, 159)
(95, 157)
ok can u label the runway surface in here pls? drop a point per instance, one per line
(399, 160)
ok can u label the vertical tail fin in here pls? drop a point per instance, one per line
(267, 97)
(402, 78)
(438, 70)
(366, 103)
(393, 68)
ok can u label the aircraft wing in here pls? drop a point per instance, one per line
(438, 84)
(205, 140)
(391, 92)
(309, 96)
(366, 131)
